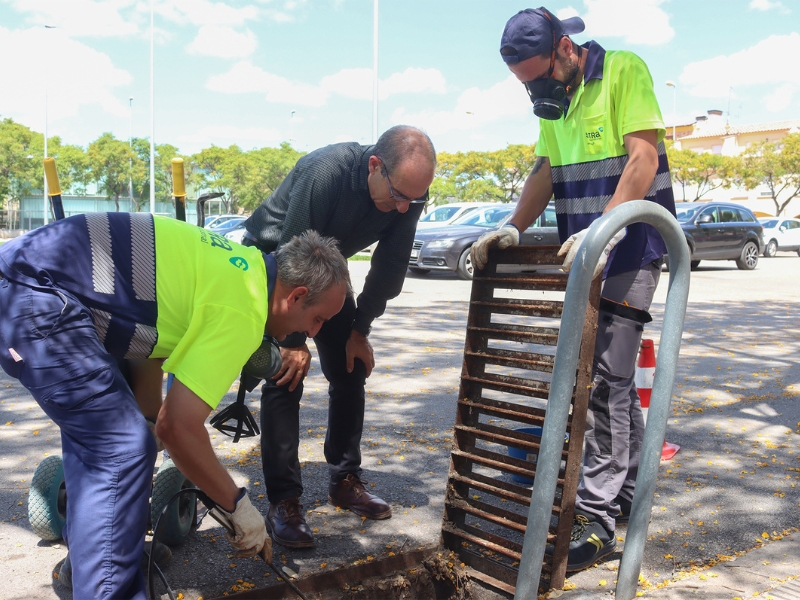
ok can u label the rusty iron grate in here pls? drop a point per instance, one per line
(512, 330)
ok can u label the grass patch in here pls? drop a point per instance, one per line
(366, 257)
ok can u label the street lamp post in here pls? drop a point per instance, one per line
(674, 117)
(375, 71)
(46, 205)
(130, 145)
(291, 127)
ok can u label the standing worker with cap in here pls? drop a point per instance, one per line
(358, 195)
(600, 144)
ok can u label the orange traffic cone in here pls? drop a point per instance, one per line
(645, 374)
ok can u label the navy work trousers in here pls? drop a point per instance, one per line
(614, 422)
(48, 341)
(280, 414)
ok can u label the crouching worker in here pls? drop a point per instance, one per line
(78, 295)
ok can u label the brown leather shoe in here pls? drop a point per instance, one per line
(287, 526)
(350, 493)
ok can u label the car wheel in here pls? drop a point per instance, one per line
(694, 264)
(771, 249)
(748, 260)
(418, 271)
(465, 268)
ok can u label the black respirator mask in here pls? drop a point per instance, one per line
(547, 95)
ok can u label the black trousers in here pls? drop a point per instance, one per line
(280, 414)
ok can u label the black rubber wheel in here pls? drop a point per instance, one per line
(181, 516)
(694, 264)
(748, 260)
(465, 268)
(771, 249)
(47, 501)
(418, 271)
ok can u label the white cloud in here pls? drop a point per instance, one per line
(77, 77)
(223, 41)
(350, 83)
(756, 65)
(101, 18)
(244, 77)
(765, 5)
(203, 12)
(474, 108)
(224, 136)
(635, 21)
(782, 97)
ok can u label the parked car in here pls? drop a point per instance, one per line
(447, 248)
(229, 225)
(447, 213)
(212, 222)
(720, 231)
(780, 233)
(236, 234)
(441, 216)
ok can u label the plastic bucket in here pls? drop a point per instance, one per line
(531, 457)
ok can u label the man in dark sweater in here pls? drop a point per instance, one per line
(357, 195)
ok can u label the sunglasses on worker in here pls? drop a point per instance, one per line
(394, 195)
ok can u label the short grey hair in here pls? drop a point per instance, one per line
(313, 261)
(404, 142)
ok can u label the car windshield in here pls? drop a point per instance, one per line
(770, 223)
(443, 213)
(684, 214)
(486, 217)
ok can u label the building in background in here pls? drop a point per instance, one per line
(711, 134)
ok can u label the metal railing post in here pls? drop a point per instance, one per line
(563, 382)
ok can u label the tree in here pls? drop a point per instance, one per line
(20, 160)
(484, 176)
(776, 165)
(702, 172)
(72, 164)
(109, 162)
(267, 168)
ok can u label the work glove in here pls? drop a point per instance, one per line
(573, 243)
(245, 529)
(152, 426)
(506, 236)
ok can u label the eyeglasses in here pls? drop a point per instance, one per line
(394, 195)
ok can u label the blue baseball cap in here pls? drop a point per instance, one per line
(530, 33)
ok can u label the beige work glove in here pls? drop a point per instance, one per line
(245, 529)
(573, 243)
(506, 236)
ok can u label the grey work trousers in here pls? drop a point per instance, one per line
(614, 421)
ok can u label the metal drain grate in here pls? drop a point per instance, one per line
(512, 331)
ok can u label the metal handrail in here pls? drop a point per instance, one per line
(563, 382)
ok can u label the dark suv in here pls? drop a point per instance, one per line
(721, 231)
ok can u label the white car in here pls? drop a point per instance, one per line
(237, 234)
(780, 233)
(445, 214)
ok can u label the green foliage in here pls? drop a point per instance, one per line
(246, 178)
(20, 160)
(776, 165)
(704, 172)
(483, 176)
(109, 165)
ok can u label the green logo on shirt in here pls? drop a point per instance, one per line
(239, 263)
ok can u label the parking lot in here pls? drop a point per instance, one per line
(732, 488)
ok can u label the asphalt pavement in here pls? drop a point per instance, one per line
(727, 508)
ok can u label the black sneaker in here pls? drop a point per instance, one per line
(589, 542)
(163, 556)
(624, 510)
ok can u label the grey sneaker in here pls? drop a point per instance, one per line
(65, 573)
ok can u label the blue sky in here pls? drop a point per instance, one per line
(258, 72)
